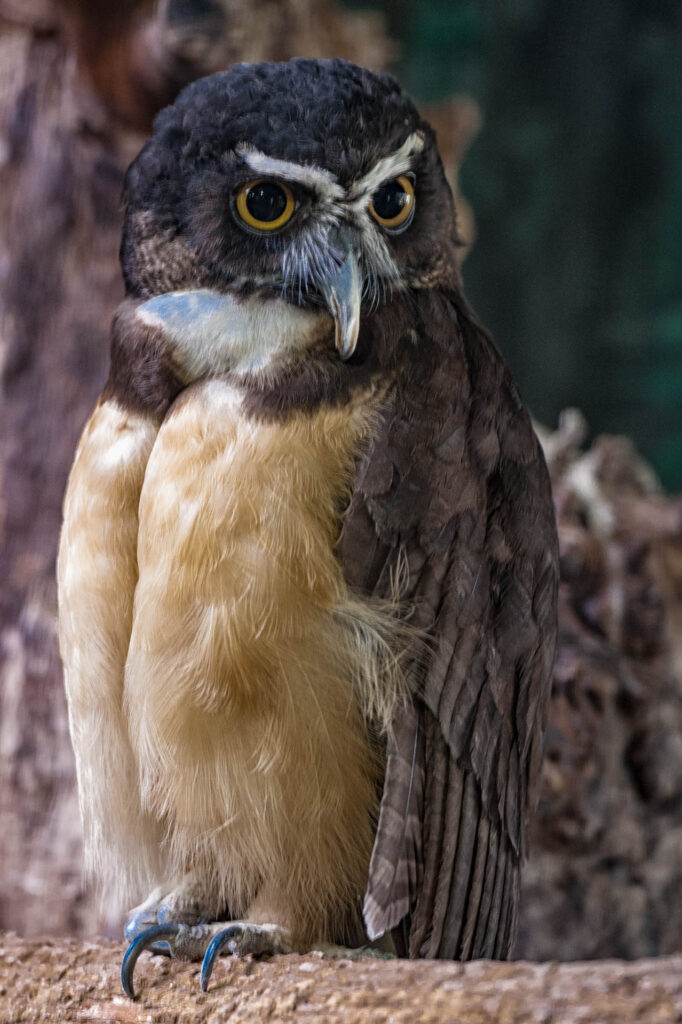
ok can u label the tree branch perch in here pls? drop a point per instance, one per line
(63, 980)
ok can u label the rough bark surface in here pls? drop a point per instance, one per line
(62, 980)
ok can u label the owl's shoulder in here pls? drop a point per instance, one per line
(453, 432)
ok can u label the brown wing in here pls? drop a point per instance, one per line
(455, 483)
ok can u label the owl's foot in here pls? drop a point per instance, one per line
(242, 938)
(187, 901)
(194, 942)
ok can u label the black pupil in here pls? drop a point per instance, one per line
(266, 201)
(389, 200)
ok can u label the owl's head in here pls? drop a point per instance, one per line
(312, 182)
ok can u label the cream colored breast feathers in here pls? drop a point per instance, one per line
(214, 654)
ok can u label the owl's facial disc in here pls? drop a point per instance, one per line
(268, 258)
(335, 241)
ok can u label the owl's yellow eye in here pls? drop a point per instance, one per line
(265, 205)
(392, 204)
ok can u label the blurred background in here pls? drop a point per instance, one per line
(561, 130)
(576, 184)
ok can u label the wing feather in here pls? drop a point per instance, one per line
(394, 879)
(445, 805)
(456, 487)
(480, 932)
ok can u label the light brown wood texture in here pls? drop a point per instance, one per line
(62, 980)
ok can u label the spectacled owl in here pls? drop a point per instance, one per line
(308, 566)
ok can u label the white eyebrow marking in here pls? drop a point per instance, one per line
(388, 167)
(317, 178)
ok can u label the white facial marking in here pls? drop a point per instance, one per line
(375, 246)
(388, 167)
(212, 333)
(317, 178)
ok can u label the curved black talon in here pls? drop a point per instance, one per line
(145, 940)
(215, 945)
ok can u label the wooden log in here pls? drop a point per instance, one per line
(63, 980)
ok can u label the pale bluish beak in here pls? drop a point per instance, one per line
(342, 288)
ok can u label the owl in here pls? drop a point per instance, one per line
(308, 565)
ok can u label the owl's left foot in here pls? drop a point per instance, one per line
(207, 941)
(239, 939)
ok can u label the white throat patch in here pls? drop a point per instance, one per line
(212, 334)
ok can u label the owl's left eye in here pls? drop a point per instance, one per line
(265, 205)
(392, 204)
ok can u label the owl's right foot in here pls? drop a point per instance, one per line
(204, 942)
(186, 903)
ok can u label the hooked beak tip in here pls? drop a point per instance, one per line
(342, 290)
(346, 329)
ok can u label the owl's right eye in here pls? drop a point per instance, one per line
(265, 205)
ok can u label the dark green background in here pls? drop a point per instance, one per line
(576, 184)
